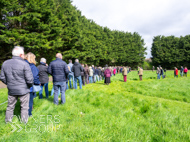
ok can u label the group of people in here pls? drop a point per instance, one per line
(24, 79)
(160, 72)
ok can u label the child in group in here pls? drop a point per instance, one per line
(185, 71)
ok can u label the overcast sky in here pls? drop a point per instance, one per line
(147, 17)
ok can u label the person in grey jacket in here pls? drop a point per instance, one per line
(18, 77)
(43, 77)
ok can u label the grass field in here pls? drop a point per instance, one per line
(148, 110)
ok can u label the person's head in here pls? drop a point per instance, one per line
(30, 57)
(86, 65)
(59, 55)
(43, 60)
(18, 51)
(106, 65)
(77, 60)
(82, 65)
(70, 61)
(92, 65)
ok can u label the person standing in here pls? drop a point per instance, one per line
(43, 76)
(71, 74)
(30, 59)
(161, 72)
(175, 72)
(87, 74)
(185, 71)
(153, 68)
(77, 69)
(96, 75)
(158, 73)
(181, 71)
(83, 73)
(90, 75)
(124, 72)
(140, 73)
(17, 75)
(107, 74)
(59, 70)
(114, 71)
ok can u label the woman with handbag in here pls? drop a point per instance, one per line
(30, 59)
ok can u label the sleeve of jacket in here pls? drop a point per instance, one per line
(35, 72)
(2, 77)
(28, 75)
(49, 70)
(66, 70)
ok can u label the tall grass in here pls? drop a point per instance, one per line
(148, 110)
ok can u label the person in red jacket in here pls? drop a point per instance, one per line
(185, 71)
(176, 72)
(107, 74)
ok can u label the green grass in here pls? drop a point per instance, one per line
(148, 110)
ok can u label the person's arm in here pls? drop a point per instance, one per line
(35, 72)
(49, 69)
(28, 75)
(66, 69)
(2, 77)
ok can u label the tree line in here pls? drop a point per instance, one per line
(46, 27)
(171, 51)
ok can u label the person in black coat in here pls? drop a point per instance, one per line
(77, 69)
(43, 76)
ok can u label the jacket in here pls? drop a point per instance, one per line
(124, 71)
(96, 72)
(90, 71)
(181, 70)
(140, 71)
(107, 73)
(43, 73)
(77, 69)
(185, 70)
(17, 75)
(59, 70)
(70, 65)
(176, 72)
(86, 70)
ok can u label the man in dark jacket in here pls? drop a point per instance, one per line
(96, 74)
(59, 70)
(77, 69)
(43, 76)
(17, 75)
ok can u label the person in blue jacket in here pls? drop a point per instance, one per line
(30, 59)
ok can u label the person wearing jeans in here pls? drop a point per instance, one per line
(71, 74)
(90, 75)
(77, 69)
(30, 59)
(23, 74)
(59, 70)
(62, 87)
(44, 78)
(96, 76)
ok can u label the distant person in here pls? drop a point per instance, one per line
(93, 72)
(107, 74)
(30, 59)
(175, 72)
(90, 74)
(114, 71)
(140, 73)
(77, 69)
(161, 72)
(181, 71)
(17, 75)
(118, 69)
(100, 73)
(71, 75)
(124, 72)
(158, 73)
(153, 68)
(87, 73)
(83, 73)
(185, 71)
(96, 74)
(43, 77)
(59, 71)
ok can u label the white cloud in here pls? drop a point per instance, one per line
(147, 17)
